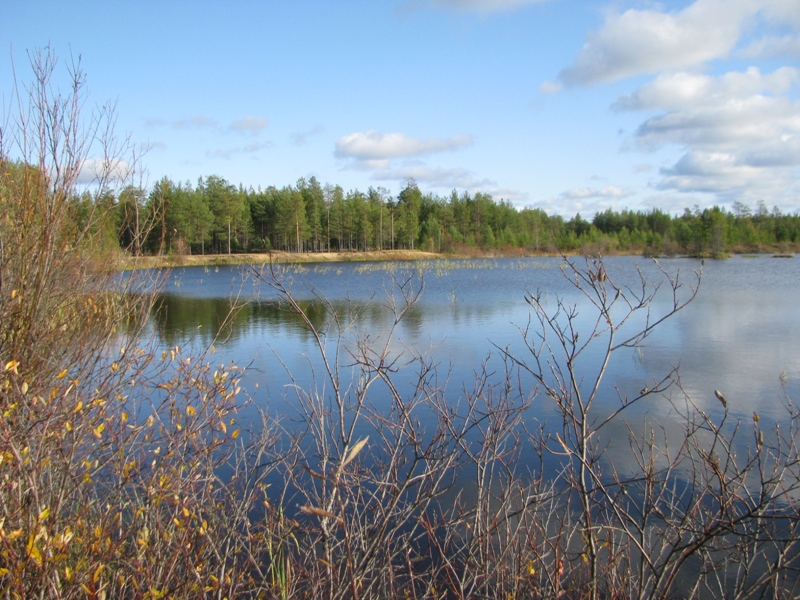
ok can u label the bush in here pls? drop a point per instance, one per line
(126, 474)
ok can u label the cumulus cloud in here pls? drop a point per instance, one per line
(249, 125)
(729, 179)
(682, 90)
(649, 41)
(739, 132)
(638, 42)
(373, 145)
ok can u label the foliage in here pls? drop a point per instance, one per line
(126, 474)
(311, 218)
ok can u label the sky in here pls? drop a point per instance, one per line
(566, 105)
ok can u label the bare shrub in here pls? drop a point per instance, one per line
(418, 492)
(126, 474)
(692, 518)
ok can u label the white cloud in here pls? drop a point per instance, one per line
(609, 191)
(372, 145)
(773, 46)
(725, 176)
(94, 170)
(396, 157)
(729, 178)
(250, 125)
(640, 42)
(782, 11)
(739, 126)
(739, 133)
(676, 91)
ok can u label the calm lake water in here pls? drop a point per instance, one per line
(740, 335)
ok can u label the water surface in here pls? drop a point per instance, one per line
(740, 335)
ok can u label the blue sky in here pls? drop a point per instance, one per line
(565, 105)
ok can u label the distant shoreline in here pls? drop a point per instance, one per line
(152, 262)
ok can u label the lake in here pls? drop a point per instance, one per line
(741, 334)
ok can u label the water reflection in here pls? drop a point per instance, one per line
(741, 331)
(740, 335)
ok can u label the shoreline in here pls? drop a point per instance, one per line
(129, 263)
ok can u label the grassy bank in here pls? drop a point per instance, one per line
(149, 262)
(126, 262)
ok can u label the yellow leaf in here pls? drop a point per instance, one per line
(355, 450)
(235, 434)
(98, 431)
(190, 410)
(78, 406)
(62, 374)
(3, 571)
(24, 388)
(14, 534)
(12, 366)
(34, 552)
(96, 574)
(44, 514)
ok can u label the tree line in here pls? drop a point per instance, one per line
(216, 217)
